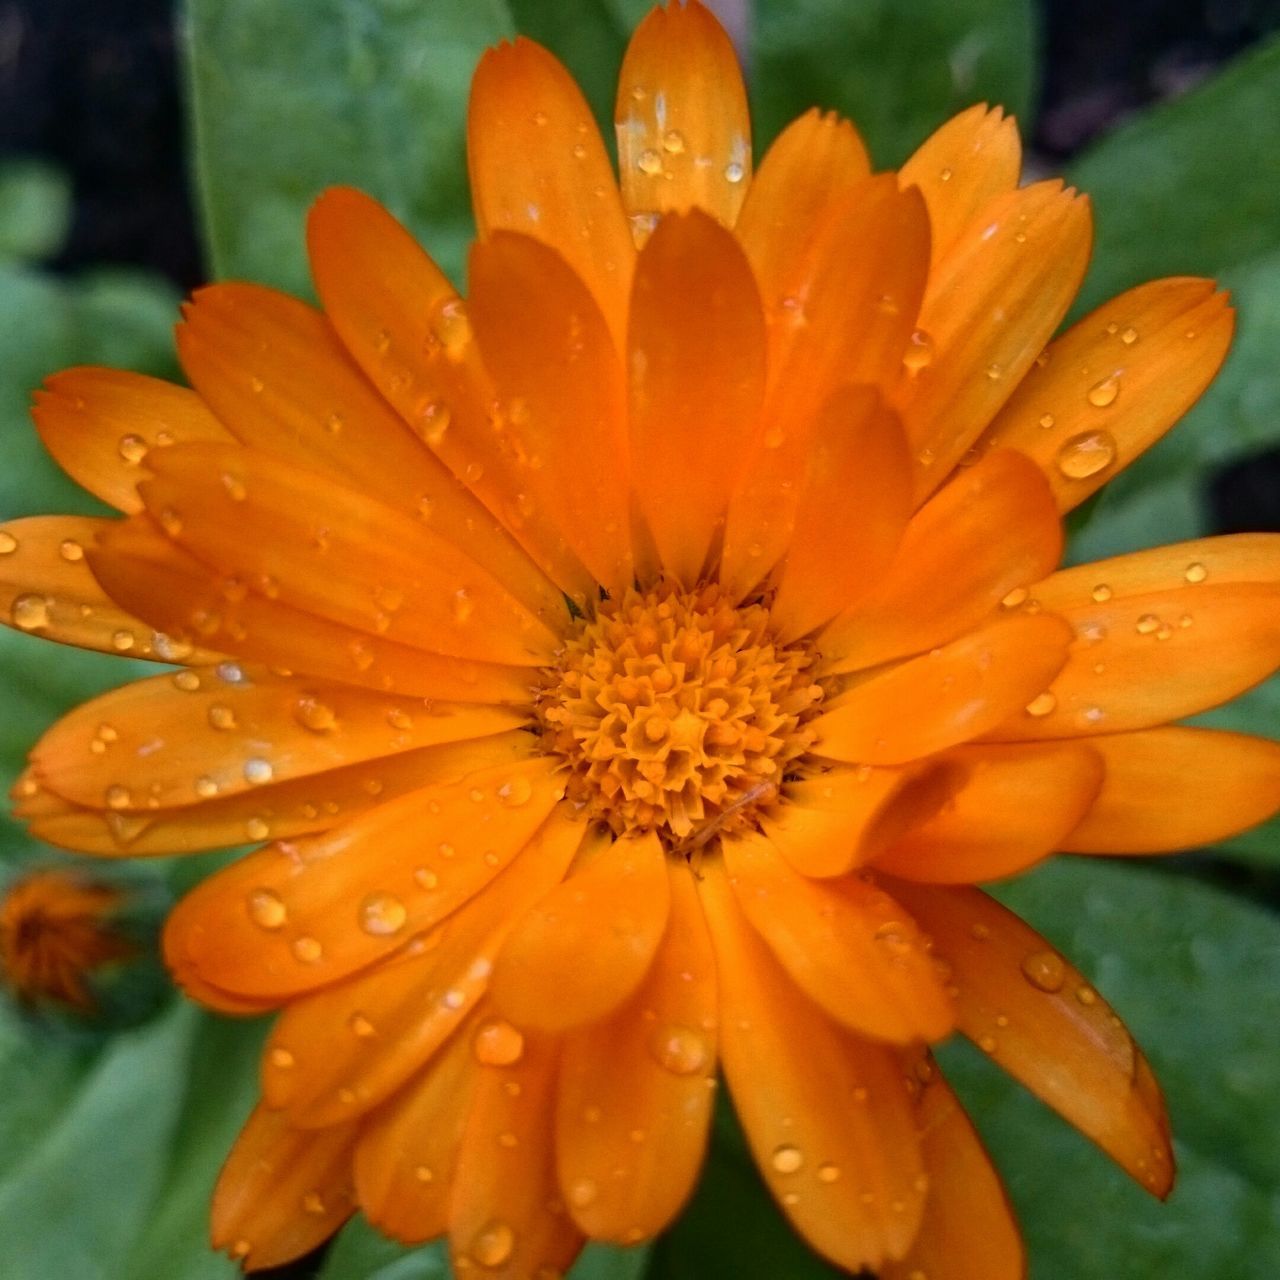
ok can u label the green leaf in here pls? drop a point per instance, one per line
(1188, 188)
(897, 70)
(35, 209)
(292, 97)
(80, 1197)
(1190, 968)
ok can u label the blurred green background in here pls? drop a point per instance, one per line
(1168, 114)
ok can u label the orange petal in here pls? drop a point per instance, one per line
(842, 315)
(299, 914)
(282, 1190)
(341, 555)
(827, 1115)
(836, 821)
(807, 170)
(851, 514)
(1015, 807)
(173, 591)
(993, 302)
(968, 1231)
(635, 1092)
(274, 371)
(992, 531)
(684, 134)
(408, 1151)
(406, 327)
(950, 695)
(613, 908)
(1177, 788)
(504, 1214)
(46, 588)
(1114, 383)
(153, 744)
(547, 346)
(99, 424)
(314, 802)
(844, 943)
(539, 166)
(696, 359)
(1026, 1007)
(961, 167)
(343, 1049)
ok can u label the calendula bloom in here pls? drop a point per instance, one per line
(634, 667)
(57, 931)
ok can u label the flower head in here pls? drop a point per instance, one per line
(634, 666)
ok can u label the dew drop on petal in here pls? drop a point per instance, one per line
(1042, 704)
(498, 1044)
(515, 791)
(8, 543)
(132, 449)
(1101, 593)
(1196, 573)
(1086, 454)
(828, 1173)
(29, 612)
(314, 715)
(1129, 336)
(282, 1059)
(258, 771)
(221, 716)
(1045, 970)
(308, 950)
(382, 914)
(919, 351)
(266, 909)
(734, 172)
(71, 551)
(361, 1027)
(117, 797)
(681, 1050)
(1104, 393)
(206, 787)
(257, 829)
(582, 1192)
(1086, 995)
(650, 162)
(787, 1159)
(1047, 420)
(1146, 624)
(493, 1244)
(187, 681)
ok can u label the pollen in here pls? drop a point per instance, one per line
(678, 712)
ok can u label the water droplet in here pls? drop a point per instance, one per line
(1045, 970)
(423, 1174)
(1086, 454)
(493, 1244)
(433, 422)
(452, 328)
(1104, 393)
(673, 142)
(241, 1249)
(70, 550)
(425, 878)
(258, 771)
(187, 681)
(1042, 704)
(919, 351)
(994, 372)
(787, 1159)
(734, 172)
(463, 605)
(515, 791)
(399, 718)
(987, 1044)
(257, 829)
(680, 1049)
(498, 1044)
(582, 1192)
(382, 914)
(828, 1173)
(1146, 624)
(221, 716)
(206, 787)
(361, 1027)
(1015, 597)
(29, 612)
(1196, 573)
(308, 950)
(453, 998)
(945, 175)
(1101, 593)
(315, 715)
(1086, 995)
(117, 796)
(8, 543)
(234, 485)
(281, 1059)
(132, 449)
(1129, 336)
(267, 909)
(1047, 420)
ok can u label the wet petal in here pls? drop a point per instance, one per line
(48, 589)
(961, 167)
(298, 914)
(950, 571)
(852, 511)
(405, 326)
(613, 908)
(498, 1213)
(1014, 807)
(836, 821)
(343, 1049)
(1177, 788)
(341, 555)
(173, 591)
(1114, 383)
(968, 1231)
(827, 1114)
(282, 1190)
(845, 943)
(948, 696)
(100, 424)
(635, 1092)
(539, 166)
(547, 346)
(696, 363)
(1034, 1014)
(993, 302)
(407, 1151)
(684, 134)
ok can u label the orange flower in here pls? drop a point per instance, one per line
(635, 666)
(55, 934)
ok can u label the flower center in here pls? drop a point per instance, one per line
(678, 712)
